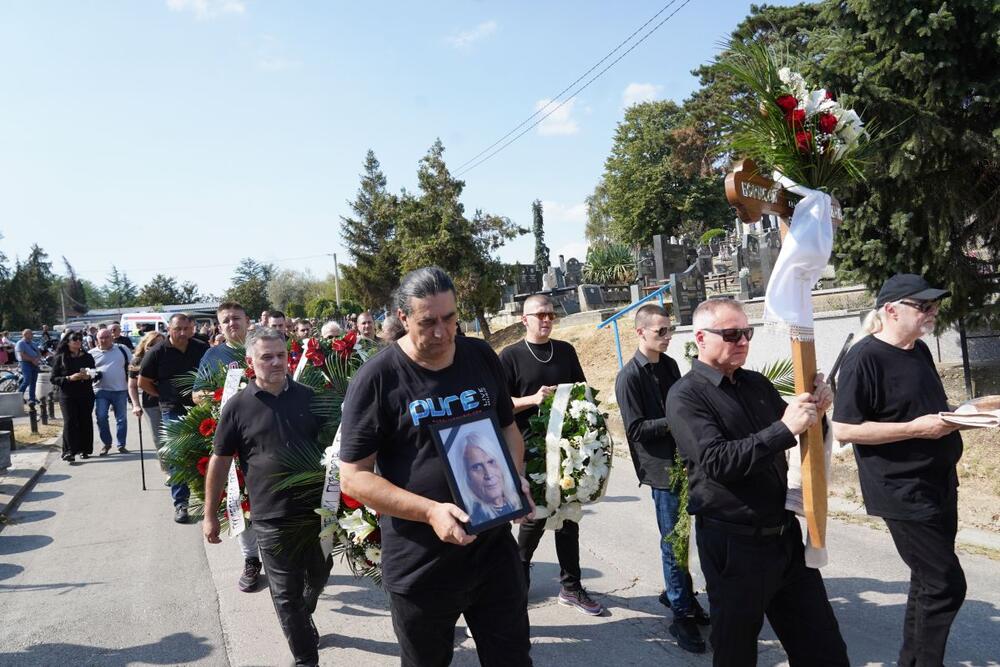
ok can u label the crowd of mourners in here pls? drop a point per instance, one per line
(729, 425)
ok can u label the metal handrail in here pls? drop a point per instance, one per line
(613, 320)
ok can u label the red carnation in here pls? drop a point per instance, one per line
(349, 503)
(203, 466)
(803, 141)
(796, 118)
(827, 123)
(207, 426)
(787, 103)
(217, 396)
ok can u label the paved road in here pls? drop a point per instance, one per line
(93, 571)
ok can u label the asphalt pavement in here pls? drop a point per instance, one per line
(93, 571)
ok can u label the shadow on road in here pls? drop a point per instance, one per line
(29, 516)
(56, 477)
(15, 544)
(35, 496)
(8, 570)
(175, 649)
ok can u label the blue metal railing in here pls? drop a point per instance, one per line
(613, 320)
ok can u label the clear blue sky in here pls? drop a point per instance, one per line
(178, 136)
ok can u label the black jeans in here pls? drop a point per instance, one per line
(567, 550)
(937, 586)
(751, 577)
(296, 574)
(495, 606)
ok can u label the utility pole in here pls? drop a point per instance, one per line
(336, 277)
(62, 302)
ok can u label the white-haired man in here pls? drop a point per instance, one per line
(732, 429)
(889, 395)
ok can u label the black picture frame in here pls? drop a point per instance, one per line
(451, 439)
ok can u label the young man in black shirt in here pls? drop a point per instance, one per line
(535, 366)
(889, 395)
(266, 424)
(432, 568)
(641, 390)
(732, 429)
(161, 367)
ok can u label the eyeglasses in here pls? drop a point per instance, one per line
(923, 306)
(543, 315)
(76, 338)
(733, 335)
(663, 332)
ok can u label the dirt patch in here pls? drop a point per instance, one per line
(24, 436)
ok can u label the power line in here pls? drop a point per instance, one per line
(466, 170)
(563, 91)
(203, 266)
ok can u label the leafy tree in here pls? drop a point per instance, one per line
(161, 290)
(598, 227)
(249, 286)
(294, 309)
(33, 291)
(119, 291)
(370, 237)
(433, 229)
(289, 286)
(537, 227)
(189, 293)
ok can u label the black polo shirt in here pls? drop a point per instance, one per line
(269, 434)
(912, 478)
(165, 364)
(641, 391)
(732, 439)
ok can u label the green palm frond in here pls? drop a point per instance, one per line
(781, 373)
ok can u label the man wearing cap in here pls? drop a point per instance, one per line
(889, 395)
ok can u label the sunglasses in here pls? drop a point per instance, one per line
(76, 338)
(923, 306)
(543, 316)
(663, 332)
(733, 335)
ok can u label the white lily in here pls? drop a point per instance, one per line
(356, 526)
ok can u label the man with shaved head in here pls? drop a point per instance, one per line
(535, 366)
(732, 428)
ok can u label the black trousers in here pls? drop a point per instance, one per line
(495, 606)
(567, 550)
(296, 574)
(78, 424)
(937, 586)
(749, 578)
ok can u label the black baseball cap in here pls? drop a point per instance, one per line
(908, 286)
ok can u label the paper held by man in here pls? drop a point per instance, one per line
(983, 412)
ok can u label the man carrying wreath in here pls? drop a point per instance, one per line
(732, 429)
(432, 568)
(535, 366)
(641, 390)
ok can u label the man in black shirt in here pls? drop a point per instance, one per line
(641, 390)
(889, 395)
(535, 366)
(432, 568)
(116, 332)
(266, 424)
(732, 429)
(161, 368)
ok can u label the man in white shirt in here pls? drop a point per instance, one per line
(111, 360)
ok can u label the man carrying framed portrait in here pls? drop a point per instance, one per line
(432, 411)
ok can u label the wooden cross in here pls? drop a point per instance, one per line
(753, 194)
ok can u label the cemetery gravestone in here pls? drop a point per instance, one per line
(687, 290)
(591, 297)
(668, 257)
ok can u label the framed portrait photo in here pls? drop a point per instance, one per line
(482, 477)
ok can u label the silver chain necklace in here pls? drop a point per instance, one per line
(552, 352)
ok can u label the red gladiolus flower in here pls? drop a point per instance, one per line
(249, 372)
(203, 466)
(217, 396)
(796, 118)
(296, 347)
(827, 123)
(349, 503)
(787, 103)
(803, 141)
(207, 426)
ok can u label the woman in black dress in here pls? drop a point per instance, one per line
(76, 396)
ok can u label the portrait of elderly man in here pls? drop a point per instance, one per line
(485, 483)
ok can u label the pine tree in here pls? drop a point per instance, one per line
(249, 287)
(119, 291)
(370, 237)
(537, 227)
(161, 290)
(34, 295)
(74, 293)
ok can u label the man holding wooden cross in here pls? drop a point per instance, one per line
(732, 428)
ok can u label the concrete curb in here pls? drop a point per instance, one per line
(8, 508)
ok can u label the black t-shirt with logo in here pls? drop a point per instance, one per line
(390, 407)
(528, 370)
(909, 479)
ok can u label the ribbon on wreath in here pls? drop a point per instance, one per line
(331, 495)
(234, 509)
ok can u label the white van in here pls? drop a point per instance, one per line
(133, 324)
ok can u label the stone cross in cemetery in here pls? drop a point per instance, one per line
(753, 194)
(687, 290)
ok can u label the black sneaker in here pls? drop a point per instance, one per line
(181, 514)
(104, 452)
(84, 456)
(698, 614)
(685, 631)
(251, 575)
(583, 602)
(122, 450)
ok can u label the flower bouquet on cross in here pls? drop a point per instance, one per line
(567, 454)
